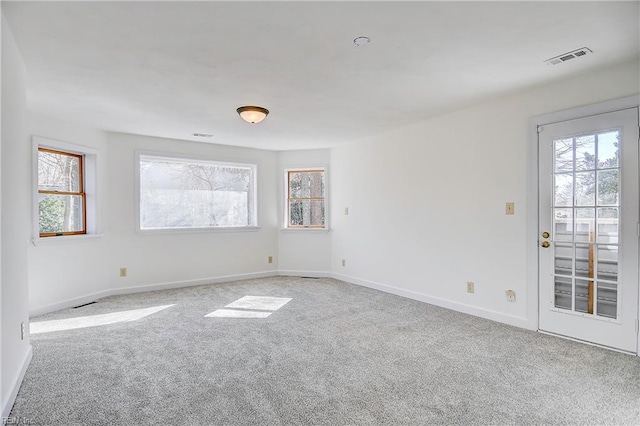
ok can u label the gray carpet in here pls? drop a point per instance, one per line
(336, 354)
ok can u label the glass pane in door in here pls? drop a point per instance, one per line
(563, 224)
(608, 262)
(586, 202)
(563, 259)
(608, 224)
(564, 189)
(563, 292)
(583, 287)
(607, 300)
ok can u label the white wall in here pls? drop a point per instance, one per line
(304, 251)
(426, 210)
(427, 202)
(15, 203)
(156, 258)
(65, 269)
(68, 271)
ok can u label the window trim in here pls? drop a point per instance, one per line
(287, 198)
(89, 186)
(80, 193)
(255, 208)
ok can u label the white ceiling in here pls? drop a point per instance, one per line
(170, 69)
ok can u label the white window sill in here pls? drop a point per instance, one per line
(191, 231)
(63, 239)
(311, 230)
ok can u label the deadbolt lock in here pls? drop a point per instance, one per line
(545, 244)
(545, 234)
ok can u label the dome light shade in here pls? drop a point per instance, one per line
(252, 114)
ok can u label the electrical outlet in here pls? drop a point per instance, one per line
(511, 296)
(346, 211)
(270, 259)
(123, 272)
(510, 208)
(471, 287)
(344, 262)
(23, 330)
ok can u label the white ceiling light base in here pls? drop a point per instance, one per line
(361, 41)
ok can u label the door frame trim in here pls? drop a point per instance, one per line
(533, 294)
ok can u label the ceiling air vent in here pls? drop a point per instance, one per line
(202, 135)
(568, 56)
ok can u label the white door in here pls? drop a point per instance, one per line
(588, 233)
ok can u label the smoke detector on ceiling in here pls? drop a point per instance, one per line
(361, 41)
(568, 56)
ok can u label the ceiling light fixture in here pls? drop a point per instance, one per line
(252, 114)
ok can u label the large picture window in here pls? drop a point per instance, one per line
(61, 196)
(179, 193)
(306, 199)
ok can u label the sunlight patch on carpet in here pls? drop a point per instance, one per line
(260, 303)
(251, 307)
(93, 320)
(234, 313)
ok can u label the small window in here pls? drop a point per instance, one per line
(181, 193)
(61, 196)
(306, 207)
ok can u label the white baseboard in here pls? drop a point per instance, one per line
(444, 303)
(81, 300)
(16, 381)
(296, 273)
(68, 303)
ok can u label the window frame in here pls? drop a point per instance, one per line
(254, 187)
(287, 198)
(80, 193)
(90, 185)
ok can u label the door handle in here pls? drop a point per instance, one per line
(545, 234)
(545, 244)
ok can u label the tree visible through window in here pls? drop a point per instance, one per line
(306, 198)
(61, 196)
(186, 193)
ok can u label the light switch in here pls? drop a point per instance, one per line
(510, 208)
